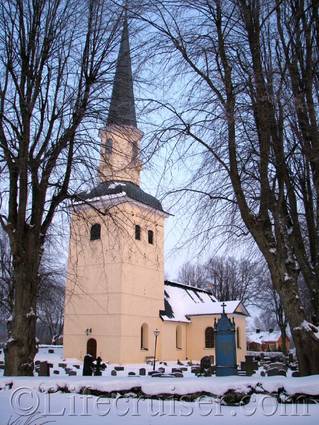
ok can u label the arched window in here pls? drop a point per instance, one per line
(209, 338)
(138, 232)
(150, 234)
(109, 146)
(135, 153)
(95, 232)
(144, 336)
(179, 342)
(238, 337)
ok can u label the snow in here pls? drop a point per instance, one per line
(31, 313)
(263, 336)
(116, 184)
(69, 409)
(310, 327)
(191, 301)
(134, 406)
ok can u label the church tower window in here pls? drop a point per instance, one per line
(137, 232)
(95, 232)
(109, 146)
(144, 337)
(135, 152)
(179, 337)
(150, 237)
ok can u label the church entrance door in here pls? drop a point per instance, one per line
(91, 347)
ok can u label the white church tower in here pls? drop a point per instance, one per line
(115, 283)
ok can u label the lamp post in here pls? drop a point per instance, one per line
(156, 334)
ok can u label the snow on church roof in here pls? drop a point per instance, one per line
(182, 301)
(263, 336)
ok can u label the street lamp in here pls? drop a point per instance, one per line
(156, 334)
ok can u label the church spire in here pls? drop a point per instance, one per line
(122, 107)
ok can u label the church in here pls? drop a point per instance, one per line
(116, 296)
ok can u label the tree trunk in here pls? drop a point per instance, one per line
(21, 348)
(305, 338)
(283, 340)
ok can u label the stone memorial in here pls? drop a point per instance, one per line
(44, 369)
(225, 342)
(88, 365)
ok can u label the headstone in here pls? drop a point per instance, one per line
(276, 372)
(178, 375)
(152, 372)
(50, 351)
(44, 369)
(131, 374)
(97, 371)
(76, 366)
(50, 365)
(142, 371)
(176, 369)
(62, 365)
(72, 373)
(119, 368)
(56, 372)
(205, 366)
(161, 369)
(87, 365)
(113, 373)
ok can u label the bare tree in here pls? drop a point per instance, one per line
(231, 279)
(56, 63)
(192, 274)
(273, 315)
(227, 278)
(252, 110)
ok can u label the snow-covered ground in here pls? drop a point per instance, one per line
(77, 400)
(74, 409)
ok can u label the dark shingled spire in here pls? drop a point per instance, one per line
(122, 107)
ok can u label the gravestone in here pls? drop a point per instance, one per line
(56, 372)
(206, 366)
(72, 373)
(142, 371)
(87, 365)
(119, 368)
(50, 351)
(131, 374)
(44, 369)
(225, 346)
(113, 373)
(276, 372)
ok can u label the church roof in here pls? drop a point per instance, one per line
(125, 188)
(122, 107)
(181, 302)
(263, 336)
